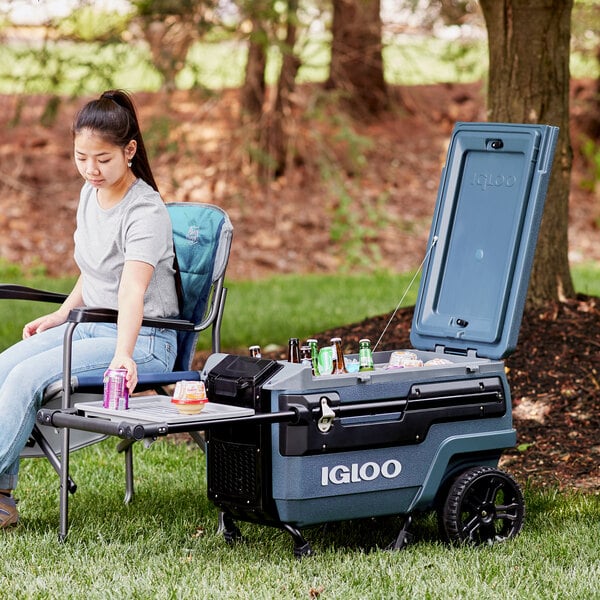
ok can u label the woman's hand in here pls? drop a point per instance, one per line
(42, 323)
(58, 317)
(127, 363)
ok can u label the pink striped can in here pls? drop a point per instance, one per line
(116, 394)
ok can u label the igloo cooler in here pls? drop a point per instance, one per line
(396, 441)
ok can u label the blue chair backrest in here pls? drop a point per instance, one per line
(202, 236)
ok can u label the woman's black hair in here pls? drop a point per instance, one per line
(114, 117)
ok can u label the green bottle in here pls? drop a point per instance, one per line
(314, 355)
(365, 356)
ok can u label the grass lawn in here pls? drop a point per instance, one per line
(166, 545)
(81, 68)
(305, 304)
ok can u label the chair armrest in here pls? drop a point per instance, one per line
(108, 315)
(19, 292)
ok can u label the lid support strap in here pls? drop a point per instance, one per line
(408, 287)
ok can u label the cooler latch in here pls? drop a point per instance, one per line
(327, 415)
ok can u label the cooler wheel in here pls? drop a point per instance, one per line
(484, 506)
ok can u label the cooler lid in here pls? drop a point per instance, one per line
(482, 239)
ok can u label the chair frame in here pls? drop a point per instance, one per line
(212, 318)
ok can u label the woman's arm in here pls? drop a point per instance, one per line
(135, 279)
(58, 317)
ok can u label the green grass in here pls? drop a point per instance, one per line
(78, 68)
(586, 278)
(166, 545)
(427, 60)
(264, 312)
(16, 313)
(270, 311)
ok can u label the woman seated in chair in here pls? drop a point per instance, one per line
(124, 252)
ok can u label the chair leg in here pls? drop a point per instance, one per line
(199, 439)
(63, 526)
(52, 457)
(126, 446)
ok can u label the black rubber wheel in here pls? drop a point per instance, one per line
(484, 506)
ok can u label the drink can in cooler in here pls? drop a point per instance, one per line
(116, 394)
(326, 360)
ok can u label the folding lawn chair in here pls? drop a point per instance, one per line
(202, 235)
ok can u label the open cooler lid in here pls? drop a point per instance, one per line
(482, 239)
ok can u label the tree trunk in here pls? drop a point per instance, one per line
(277, 139)
(529, 83)
(252, 95)
(169, 39)
(170, 28)
(356, 61)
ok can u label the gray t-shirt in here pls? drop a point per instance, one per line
(137, 228)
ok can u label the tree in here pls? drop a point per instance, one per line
(285, 89)
(273, 24)
(529, 83)
(585, 34)
(170, 27)
(252, 94)
(356, 61)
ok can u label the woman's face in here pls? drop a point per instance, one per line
(101, 163)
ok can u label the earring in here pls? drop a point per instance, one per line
(129, 164)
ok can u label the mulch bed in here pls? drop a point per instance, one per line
(555, 386)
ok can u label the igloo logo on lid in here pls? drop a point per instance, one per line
(491, 180)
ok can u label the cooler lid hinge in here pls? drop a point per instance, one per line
(469, 352)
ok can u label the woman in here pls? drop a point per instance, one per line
(124, 251)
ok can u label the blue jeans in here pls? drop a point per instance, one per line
(30, 365)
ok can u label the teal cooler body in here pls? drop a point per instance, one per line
(388, 441)
(438, 421)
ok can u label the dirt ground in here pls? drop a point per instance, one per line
(199, 154)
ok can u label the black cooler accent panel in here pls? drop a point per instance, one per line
(238, 472)
(237, 380)
(389, 422)
(238, 456)
(236, 476)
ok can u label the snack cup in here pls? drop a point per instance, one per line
(401, 359)
(189, 397)
(435, 362)
(189, 407)
(412, 362)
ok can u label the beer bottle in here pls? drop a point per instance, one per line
(294, 350)
(314, 355)
(255, 351)
(339, 366)
(365, 355)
